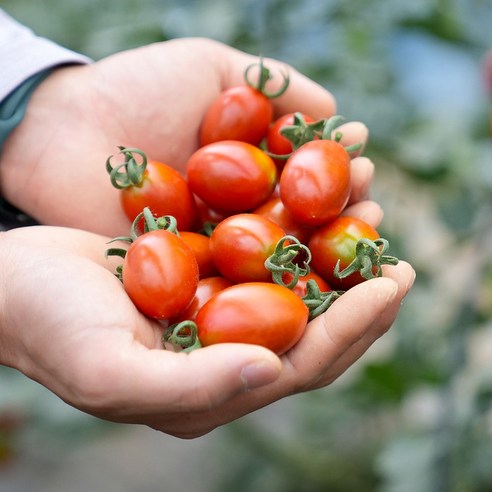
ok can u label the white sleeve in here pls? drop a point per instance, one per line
(23, 54)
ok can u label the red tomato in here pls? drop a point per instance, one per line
(206, 214)
(315, 182)
(160, 274)
(239, 113)
(240, 245)
(200, 245)
(207, 287)
(275, 210)
(231, 176)
(276, 143)
(165, 192)
(258, 313)
(336, 241)
(301, 287)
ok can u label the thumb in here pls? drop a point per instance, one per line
(159, 381)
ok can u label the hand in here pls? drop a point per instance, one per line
(67, 323)
(153, 98)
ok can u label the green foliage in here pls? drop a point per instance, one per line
(414, 414)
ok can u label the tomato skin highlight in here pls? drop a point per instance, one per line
(315, 182)
(207, 287)
(239, 113)
(336, 241)
(231, 176)
(241, 243)
(258, 313)
(160, 274)
(165, 191)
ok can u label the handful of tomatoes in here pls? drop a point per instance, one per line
(250, 243)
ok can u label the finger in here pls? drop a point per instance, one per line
(367, 210)
(153, 382)
(361, 175)
(404, 276)
(302, 94)
(330, 345)
(332, 334)
(353, 133)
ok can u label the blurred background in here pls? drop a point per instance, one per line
(415, 413)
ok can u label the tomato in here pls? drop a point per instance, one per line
(200, 245)
(275, 210)
(231, 176)
(207, 287)
(160, 274)
(239, 113)
(315, 182)
(241, 243)
(336, 241)
(276, 143)
(300, 288)
(165, 191)
(258, 313)
(206, 215)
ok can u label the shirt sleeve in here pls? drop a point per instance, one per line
(24, 54)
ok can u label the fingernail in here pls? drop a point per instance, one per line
(259, 374)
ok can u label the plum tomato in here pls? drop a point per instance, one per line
(301, 287)
(240, 245)
(207, 287)
(278, 144)
(275, 210)
(258, 313)
(337, 241)
(315, 182)
(200, 245)
(231, 176)
(240, 113)
(160, 274)
(155, 185)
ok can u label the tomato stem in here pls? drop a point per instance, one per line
(264, 77)
(301, 132)
(166, 222)
(318, 301)
(281, 261)
(369, 257)
(183, 335)
(130, 172)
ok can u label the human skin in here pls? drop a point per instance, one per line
(65, 320)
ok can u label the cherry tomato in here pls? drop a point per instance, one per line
(165, 191)
(276, 143)
(231, 176)
(207, 287)
(206, 215)
(336, 241)
(239, 113)
(275, 210)
(315, 182)
(160, 274)
(240, 245)
(300, 288)
(259, 313)
(200, 245)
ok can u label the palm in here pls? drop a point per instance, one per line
(152, 98)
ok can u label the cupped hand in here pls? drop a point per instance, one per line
(154, 98)
(68, 324)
